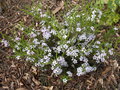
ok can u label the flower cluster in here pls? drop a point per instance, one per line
(67, 47)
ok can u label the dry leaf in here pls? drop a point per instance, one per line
(115, 64)
(5, 87)
(100, 80)
(75, 1)
(34, 70)
(114, 79)
(36, 81)
(48, 88)
(21, 89)
(106, 70)
(59, 8)
(26, 76)
(13, 65)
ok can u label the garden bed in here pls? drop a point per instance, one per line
(21, 75)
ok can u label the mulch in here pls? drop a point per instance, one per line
(22, 75)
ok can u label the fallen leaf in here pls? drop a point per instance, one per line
(36, 81)
(114, 79)
(106, 70)
(48, 88)
(34, 70)
(21, 89)
(13, 65)
(26, 76)
(100, 80)
(59, 8)
(115, 64)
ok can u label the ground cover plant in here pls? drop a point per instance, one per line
(74, 46)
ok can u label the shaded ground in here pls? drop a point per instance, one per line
(21, 75)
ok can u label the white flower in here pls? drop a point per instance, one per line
(59, 49)
(110, 51)
(91, 37)
(78, 24)
(53, 32)
(90, 69)
(17, 57)
(83, 58)
(65, 36)
(17, 39)
(97, 42)
(92, 28)
(62, 61)
(17, 47)
(77, 15)
(35, 41)
(54, 63)
(82, 37)
(57, 71)
(78, 29)
(5, 42)
(32, 35)
(69, 73)
(72, 52)
(22, 28)
(94, 11)
(44, 44)
(74, 61)
(115, 28)
(65, 80)
(49, 54)
(93, 17)
(80, 71)
(46, 35)
(100, 56)
(65, 46)
(30, 52)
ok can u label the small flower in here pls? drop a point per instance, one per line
(65, 46)
(57, 71)
(17, 39)
(90, 69)
(110, 51)
(82, 37)
(77, 15)
(46, 35)
(69, 73)
(98, 42)
(35, 41)
(5, 42)
(74, 61)
(92, 28)
(78, 29)
(80, 71)
(115, 28)
(53, 32)
(65, 80)
(65, 36)
(17, 57)
(61, 61)
(22, 28)
(32, 35)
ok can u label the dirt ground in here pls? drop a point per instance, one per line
(21, 75)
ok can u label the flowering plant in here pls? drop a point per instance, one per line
(74, 46)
